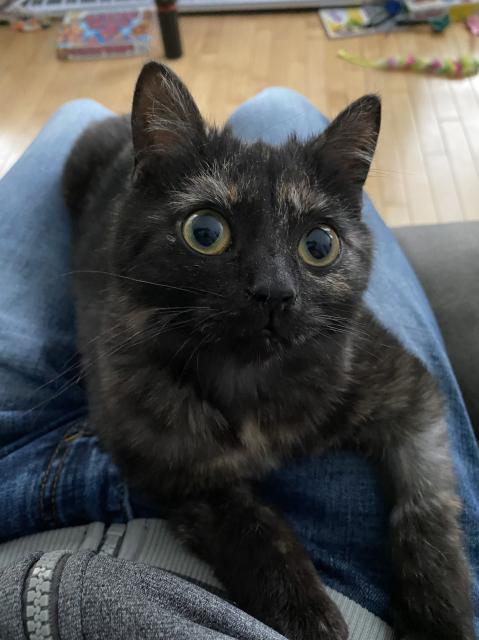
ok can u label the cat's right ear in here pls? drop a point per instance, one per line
(165, 118)
(344, 151)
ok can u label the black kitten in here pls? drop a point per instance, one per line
(222, 329)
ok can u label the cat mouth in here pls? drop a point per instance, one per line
(271, 333)
(261, 342)
(260, 335)
(274, 328)
(268, 331)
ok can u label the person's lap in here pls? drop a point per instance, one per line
(50, 476)
(52, 470)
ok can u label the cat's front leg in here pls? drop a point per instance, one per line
(258, 559)
(432, 583)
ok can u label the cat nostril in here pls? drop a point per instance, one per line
(272, 294)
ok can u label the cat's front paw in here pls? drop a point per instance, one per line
(459, 634)
(448, 617)
(435, 636)
(462, 629)
(319, 620)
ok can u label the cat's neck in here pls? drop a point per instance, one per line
(313, 373)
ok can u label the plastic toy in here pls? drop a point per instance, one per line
(460, 67)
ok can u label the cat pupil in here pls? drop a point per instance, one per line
(319, 243)
(207, 230)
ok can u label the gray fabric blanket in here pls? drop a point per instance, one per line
(87, 596)
(123, 582)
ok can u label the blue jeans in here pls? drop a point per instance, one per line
(52, 471)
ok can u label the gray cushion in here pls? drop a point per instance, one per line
(446, 260)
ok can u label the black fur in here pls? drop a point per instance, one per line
(197, 387)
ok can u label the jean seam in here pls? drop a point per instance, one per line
(67, 442)
(44, 481)
(59, 454)
(53, 501)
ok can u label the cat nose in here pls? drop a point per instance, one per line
(272, 294)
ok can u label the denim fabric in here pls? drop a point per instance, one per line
(52, 472)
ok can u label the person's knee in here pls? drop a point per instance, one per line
(81, 107)
(60, 132)
(276, 113)
(281, 98)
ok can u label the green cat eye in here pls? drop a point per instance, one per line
(207, 232)
(320, 246)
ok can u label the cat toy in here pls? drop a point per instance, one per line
(460, 67)
(472, 23)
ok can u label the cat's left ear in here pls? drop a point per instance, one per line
(165, 118)
(345, 150)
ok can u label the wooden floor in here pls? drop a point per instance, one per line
(427, 165)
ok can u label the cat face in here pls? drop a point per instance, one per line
(243, 249)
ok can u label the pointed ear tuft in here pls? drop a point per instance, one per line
(347, 146)
(164, 114)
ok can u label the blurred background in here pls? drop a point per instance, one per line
(427, 165)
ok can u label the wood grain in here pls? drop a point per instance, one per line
(427, 165)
